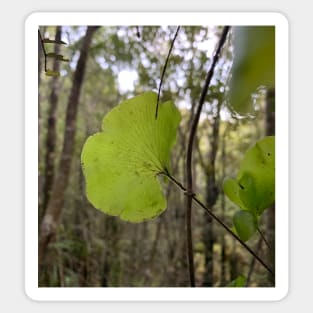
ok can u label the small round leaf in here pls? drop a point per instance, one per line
(245, 224)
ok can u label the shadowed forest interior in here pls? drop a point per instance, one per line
(85, 72)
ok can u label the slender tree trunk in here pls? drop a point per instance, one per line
(51, 128)
(39, 159)
(270, 131)
(233, 262)
(112, 263)
(55, 205)
(223, 247)
(41, 53)
(211, 197)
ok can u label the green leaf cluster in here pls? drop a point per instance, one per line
(121, 163)
(59, 57)
(253, 190)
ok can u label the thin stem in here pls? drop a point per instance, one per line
(193, 131)
(217, 219)
(233, 234)
(263, 238)
(164, 69)
(43, 49)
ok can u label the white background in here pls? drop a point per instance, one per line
(31, 153)
(13, 14)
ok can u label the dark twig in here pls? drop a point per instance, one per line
(163, 71)
(137, 32)
(263, 238)
(217, 219)
(189, 190)
(43, 49)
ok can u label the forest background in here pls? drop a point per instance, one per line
(106, 66)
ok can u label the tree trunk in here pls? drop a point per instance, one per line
(39, 156)
(41, 53)
(51, 128)
(233, 262)
(270, 131)
(223, 205)
(211, 197)
(55, 205)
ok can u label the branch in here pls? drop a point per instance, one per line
(189, 190)
(217, 219)
(163, 72)
(263, 238)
